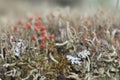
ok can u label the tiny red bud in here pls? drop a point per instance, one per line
(37, 23)
(51, 37)
(35, 29)
(15, 28)
(19, 22)
(24, 27)
(28, 25)
(43, 28)
(43, 32)
(85, 39)
(88, 22)
(33, 37)
(42, 46)
(31, 18)
(38, 18)
(46, 38)
(42, 38)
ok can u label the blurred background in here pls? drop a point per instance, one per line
(17, 9)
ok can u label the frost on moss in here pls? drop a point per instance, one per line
(78, 59)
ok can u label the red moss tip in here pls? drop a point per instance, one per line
(28, 25)
(52, 37)
(37, 23)
(42, 46)
(19, 21)
(33, 37)
(43, 28)
(46, 38)
(31, 18)
(43, 32)
(23, 27)
(38, 18)
(15, 28)
(88, 22)
(42, 38)
(35, 29)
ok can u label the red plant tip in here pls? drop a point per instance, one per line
(46, 38)
(33, 37)
(35, 29)
(31, 18)
(28, 25)
(15, 28)
(52, 37)
(23, 27)
(88, 22)
(43, 28)
(38, 18)
(42, 46)
(43, 32)
(19, 22)
(42, 38)
(37, 23)
(85, 39)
